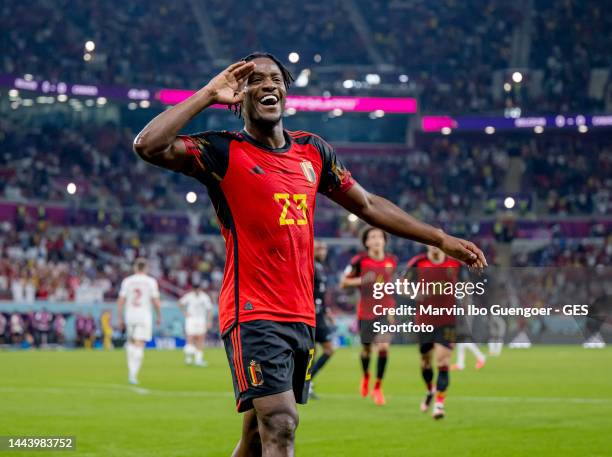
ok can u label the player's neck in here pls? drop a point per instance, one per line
(273, 137)
(376, 255)
(436, 261)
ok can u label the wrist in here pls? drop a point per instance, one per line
(439, 238)
(207, 95)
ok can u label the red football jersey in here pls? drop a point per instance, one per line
(265, 200)
(372, 271)
(429, 272)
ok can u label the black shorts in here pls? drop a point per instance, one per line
(367, 332)
(267, 358)
(446, 335)
(323, 333)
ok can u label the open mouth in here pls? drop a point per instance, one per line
(269, 100)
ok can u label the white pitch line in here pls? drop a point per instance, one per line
(208, 394)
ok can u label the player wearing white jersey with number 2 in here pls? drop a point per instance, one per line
(197, 309)
(139, 294)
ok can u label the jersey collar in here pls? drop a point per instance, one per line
(256, 143)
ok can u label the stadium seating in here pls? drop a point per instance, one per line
(454, 55)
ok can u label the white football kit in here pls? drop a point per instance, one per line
(139, 290)
(197, 305)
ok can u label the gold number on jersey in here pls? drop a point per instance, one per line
(300, 199)
(285, 199)
(282, 220)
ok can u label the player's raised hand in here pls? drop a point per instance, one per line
(464, 250)
(227, 87)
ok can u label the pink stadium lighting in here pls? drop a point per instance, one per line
(437, 123)
(322, 104)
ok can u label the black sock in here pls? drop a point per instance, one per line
(427, 377)
(381, 364)
(319, 364)
(365, 364)
(443, 379)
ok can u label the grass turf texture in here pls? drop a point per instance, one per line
(545, 401)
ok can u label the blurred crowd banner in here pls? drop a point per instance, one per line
(404, 105)
(489, 124)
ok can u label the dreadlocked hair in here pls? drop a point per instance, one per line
(287, 76)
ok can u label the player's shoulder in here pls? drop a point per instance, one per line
(151, 279)
(218, 134)
(128, 279)
(218, 140)
(358, 258)
(416, 260)
(304, 137)
(391, 258)
(206, 296)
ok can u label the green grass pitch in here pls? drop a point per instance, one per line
(545, 401)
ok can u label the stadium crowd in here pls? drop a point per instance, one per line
(448, 58)
(88, 264)
(570, 174)
(565, 174)
(570, 40)
(61, 264)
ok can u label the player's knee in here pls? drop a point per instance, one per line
(425, 361)
(328, 350)
(281, 426)
(366, 349)
(443, 360)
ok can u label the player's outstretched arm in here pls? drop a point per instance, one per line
(347, 281)
(381, 213)
(157, 143)
(120, 304)
(157, 306)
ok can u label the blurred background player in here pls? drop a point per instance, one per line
(323, 332)
(474, 349)
(435, 267)
(197, 309)
(59, 328)
(17, 328)
(41, 324)
(365, 269)
(139, 294)
(107, 329)
(3, 327)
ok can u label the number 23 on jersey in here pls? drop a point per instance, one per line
(286, 200)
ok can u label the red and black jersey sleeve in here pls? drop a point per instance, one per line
(353, 269)
(410, 272)
(334, 175)
(209, 153)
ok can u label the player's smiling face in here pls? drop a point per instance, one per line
(265, 93)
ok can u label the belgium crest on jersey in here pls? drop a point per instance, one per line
(255, 374)
(308, 171)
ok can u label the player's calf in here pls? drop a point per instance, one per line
(441, 387)
(250, 442)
